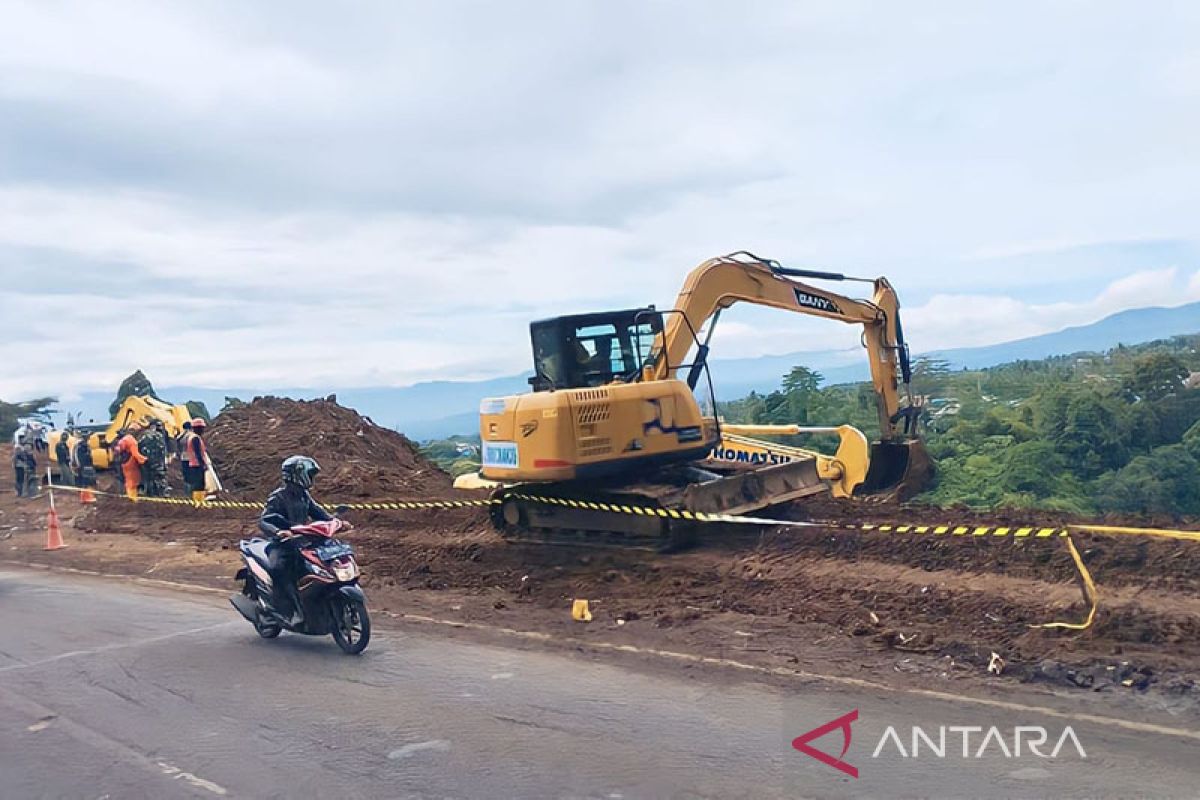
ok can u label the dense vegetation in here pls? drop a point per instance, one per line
(457, 455)
(1086, 433)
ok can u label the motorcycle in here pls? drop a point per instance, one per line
(331, 601)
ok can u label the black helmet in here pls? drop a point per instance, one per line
(300, 471)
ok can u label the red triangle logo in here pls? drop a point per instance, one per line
(801, 743)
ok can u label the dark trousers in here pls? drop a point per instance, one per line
(283, 564)
(20, 471)
(193, 476)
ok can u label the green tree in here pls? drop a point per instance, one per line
(1191, 441)
(1156, 375)
(1094, 435)
(930, 375)
(136, 385)
(196, 408)
(800, 385)
(1033, 468)
(1167, 481)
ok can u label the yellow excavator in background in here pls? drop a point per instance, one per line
(613, 420)
(135, 410)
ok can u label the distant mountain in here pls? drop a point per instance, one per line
(1126, 327)
(435, 409)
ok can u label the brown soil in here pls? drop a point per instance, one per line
(359, 459)
(826, 598)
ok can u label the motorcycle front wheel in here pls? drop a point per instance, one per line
(267, 630)
(351, 625)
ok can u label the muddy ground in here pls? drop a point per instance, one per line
(914, 607)
(865, 605)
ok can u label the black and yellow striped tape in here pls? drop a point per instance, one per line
(965, 530)
(947, 530)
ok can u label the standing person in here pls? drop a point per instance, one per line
(62, 452)
(153, 445)
(84, 469)
(196, 465)
(24, 468)
(131, 459)
(181, 446)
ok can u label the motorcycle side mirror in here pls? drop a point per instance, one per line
(341, 510)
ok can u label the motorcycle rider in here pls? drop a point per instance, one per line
(287, 506)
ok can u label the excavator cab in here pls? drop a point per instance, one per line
(588, 350)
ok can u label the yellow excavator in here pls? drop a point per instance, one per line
(613, 421)
(135, 410)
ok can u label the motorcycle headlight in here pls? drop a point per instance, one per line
(321, 571)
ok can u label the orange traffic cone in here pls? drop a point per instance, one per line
(54, 540)
(87, 496)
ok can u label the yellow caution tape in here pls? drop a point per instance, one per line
(1190, 536)
(1090, 595)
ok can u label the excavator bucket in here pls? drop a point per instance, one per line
(899, 470)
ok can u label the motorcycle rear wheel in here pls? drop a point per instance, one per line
(351, 625)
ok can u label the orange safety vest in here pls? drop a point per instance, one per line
(195, 437)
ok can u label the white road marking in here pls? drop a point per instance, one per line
(108, 648)
(434, 745)
(175, 773)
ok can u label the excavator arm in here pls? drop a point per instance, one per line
(744, 278)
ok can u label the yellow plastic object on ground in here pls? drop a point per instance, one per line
(580, 611)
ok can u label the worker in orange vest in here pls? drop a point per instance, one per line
(131, 459)
(195, 460)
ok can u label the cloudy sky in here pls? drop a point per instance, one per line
(319, 194)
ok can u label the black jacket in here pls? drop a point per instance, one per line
(83, 453)
(288, 506)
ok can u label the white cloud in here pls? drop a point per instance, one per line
(293, 194)
(969, 320)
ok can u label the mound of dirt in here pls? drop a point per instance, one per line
(358, 458)
(359, 461)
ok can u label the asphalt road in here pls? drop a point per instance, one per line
(108, 690)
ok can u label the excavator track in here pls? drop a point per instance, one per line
(647, 514)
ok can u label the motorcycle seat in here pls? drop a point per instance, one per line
(257, 549)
